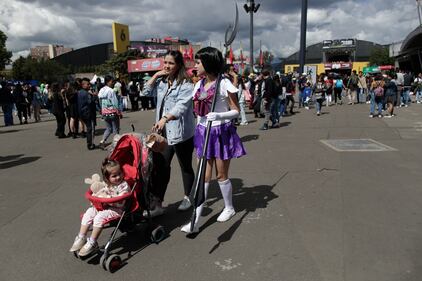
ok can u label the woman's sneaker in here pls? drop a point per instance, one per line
(78, 244)
(89, 247)
(186, 229)
(226, 214)
(185, 204)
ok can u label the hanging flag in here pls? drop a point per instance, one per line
(190, 52)
(231, 55)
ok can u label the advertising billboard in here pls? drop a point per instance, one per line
(340, 43)
(121, 41)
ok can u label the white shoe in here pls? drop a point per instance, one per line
(78, 244)
(185, 204)
(88, 248)
(226, 214)
(243, 123)
(186, 229)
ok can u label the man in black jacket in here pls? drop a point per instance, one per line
(6, 103)
(267, 87)
(87, 111)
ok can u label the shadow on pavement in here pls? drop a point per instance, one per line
(99, 132)
(10, 157)
(10, 131)
(16, 161)
(247, 200)
(249, 138)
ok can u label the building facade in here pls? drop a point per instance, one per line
(48, 51)
(339, 55)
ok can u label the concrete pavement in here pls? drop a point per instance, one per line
(304, 211)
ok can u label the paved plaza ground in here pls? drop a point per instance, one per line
(304, 210)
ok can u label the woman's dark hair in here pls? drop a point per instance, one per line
(107, 79)
(276, 80)
(180, 74)
(212, 60)
(55, 87)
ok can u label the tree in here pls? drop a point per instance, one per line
(43, 70)
(5, 55)
(380, 56)
(118, 63)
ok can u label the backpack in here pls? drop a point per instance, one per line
(339, 83)
(353, 81)
(379, 91)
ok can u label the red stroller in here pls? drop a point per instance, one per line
(136, 161)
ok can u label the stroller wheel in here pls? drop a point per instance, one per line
(113, 263)
(158, 234)
(103, 261)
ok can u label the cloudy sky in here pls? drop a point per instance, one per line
(76, 23)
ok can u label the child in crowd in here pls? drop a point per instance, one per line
(307, 93)
(116, 186)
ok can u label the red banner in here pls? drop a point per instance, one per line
(145, 65)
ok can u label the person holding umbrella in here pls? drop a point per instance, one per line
(216, 140)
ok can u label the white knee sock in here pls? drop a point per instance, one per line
(226, 191)
(200, 207)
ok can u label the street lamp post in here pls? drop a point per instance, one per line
(252, 8)
(302, 53)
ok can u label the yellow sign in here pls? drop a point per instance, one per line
(120, 37)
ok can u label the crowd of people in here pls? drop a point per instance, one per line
(274, 96)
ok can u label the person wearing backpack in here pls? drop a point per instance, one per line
(391, 90)
(407, 85)
(352, 86)
(319, 94)
(377, 88)
(338, 89)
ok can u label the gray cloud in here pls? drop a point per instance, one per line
(82, 23)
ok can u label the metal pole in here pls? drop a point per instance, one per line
(302, 54)
(252, 4)
(419, 12)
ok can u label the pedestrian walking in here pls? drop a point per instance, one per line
(6, 102)
(109, 110)
(174, 120)
(352, 87)
(57, 108)
(87, 111)
(37, 102)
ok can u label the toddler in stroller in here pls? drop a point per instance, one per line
(116, 187)
(121, 202)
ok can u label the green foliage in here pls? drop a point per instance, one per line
(43, 70)
(380, 56)
(5, 55)
(118, 63)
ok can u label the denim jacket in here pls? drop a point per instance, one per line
(176, 101)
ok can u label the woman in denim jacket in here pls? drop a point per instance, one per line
(175, 121)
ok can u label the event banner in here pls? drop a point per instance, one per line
(145, 65)
(151, 65)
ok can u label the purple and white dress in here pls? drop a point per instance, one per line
(224, 142)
